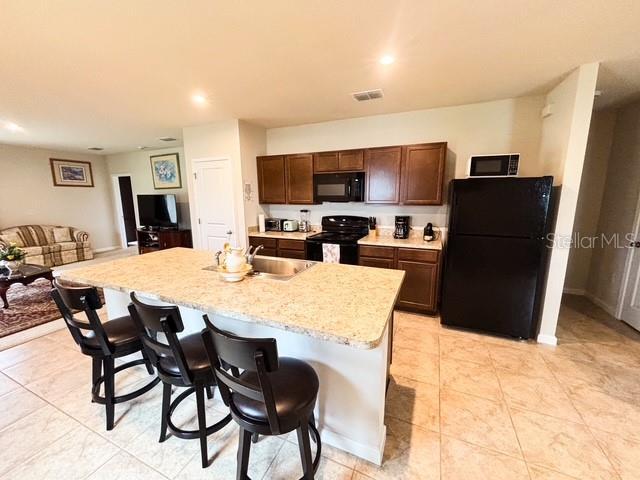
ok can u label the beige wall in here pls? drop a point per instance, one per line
(29, 197)
(621, 194)
(253, 142)
(138, 165)
(562, 150)
(511, 125)
(592, 185)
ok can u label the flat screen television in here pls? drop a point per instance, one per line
(158, 211)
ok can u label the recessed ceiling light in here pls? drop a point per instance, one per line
(96, 149)
(199, 99)
(387, 59)
(13, 127)
(142, 147)
(167, 139)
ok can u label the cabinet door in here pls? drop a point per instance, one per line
(325, 162)
(351, 160)
(299, 178)
(375, 262)
(423, 173)
(271, 179)
(383, 175)
(420, 286)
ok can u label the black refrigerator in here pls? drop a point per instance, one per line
(496, 254)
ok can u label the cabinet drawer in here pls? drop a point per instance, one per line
(266, 242)
(268, 252)
(379, 252)
(287, 244)
(285, 253)
(375, 262)
(417, 255)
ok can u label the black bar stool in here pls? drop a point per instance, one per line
(180, 362)
(103, 342)
(272, 396)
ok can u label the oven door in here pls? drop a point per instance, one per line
(348, 252)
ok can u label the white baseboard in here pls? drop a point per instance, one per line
(574, 291)
(610, 309)
(547, 339)
(106, 249)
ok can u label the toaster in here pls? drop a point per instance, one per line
(290, 226)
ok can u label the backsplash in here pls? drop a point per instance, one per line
(385, 214)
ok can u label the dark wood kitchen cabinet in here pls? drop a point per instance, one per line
(272, 179)
(342, 161)
(422, 175)
(383, 166)
(420, 288)
(280, 247)
(299, 178)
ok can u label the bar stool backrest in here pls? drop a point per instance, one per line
(227, 351)
(152, 320)
(86, 299)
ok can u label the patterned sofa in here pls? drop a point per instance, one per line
(49, 245)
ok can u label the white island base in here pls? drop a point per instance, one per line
(351, 400)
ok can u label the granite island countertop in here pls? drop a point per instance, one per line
(344, 304)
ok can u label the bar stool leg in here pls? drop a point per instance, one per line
(244, 448)
(209, 392)
(305, 450)
(109, 390)
(202, 425)
(96, 371)
(166, 402)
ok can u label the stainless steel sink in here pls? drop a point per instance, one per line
(279, 268)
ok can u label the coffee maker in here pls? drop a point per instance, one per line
(402, 227)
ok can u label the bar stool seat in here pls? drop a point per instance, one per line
(121, 332)
(295, 389)
(196, 358)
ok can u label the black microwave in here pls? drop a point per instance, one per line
(338, 187)
(502, 165)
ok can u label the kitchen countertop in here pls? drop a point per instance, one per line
(414, 241)
(345, 304)
(286, 235)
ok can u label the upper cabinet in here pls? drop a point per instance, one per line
(343, 161)
(271, 179)
(299, 169)
(382, 182)
(405, 175)
(422, 174)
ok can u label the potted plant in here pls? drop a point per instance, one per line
(12, 256)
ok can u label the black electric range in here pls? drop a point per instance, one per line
(343, 230)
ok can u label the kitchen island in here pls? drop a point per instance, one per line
(336, 317)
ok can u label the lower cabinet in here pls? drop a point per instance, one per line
(419, 290)
(280, 247)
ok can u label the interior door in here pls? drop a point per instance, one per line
(631, 302)
(215, 208)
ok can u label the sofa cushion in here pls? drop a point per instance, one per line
(66, 246)
(32, 251)
(36, 235)
(62, 234)
(10, 237)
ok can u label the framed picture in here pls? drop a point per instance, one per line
(166, 171)
(71, 173)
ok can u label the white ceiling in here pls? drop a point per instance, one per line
(120, 73)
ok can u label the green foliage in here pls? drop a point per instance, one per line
(12, 253)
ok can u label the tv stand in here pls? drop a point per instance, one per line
(154, 239)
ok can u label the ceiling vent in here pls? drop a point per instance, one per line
(368, 95)
(96, 149)
(167, 139)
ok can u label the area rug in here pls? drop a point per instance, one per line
(29, 306)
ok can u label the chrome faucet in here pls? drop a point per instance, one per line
(250, 256)
(217, 256)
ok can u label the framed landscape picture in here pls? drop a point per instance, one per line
(166, 171)
(71, 173)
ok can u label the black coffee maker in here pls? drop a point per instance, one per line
(402, 227)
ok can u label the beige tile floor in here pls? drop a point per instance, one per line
(460, 406)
